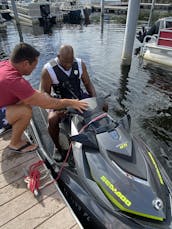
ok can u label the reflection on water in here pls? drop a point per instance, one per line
(35, 30)
(123, 91)
(160, 78)
(161, 125)
(20, 32)
(160, 122)
(143, 91)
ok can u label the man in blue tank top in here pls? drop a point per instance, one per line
(63, 76)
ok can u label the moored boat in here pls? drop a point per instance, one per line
(36, 12)
(157, 43)
(4, 10)
(74, 11)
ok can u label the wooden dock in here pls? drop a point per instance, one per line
(121, 9)
(110, 9)
(19, 208)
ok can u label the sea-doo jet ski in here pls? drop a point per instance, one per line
(112, 178)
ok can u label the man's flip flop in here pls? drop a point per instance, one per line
(19, 150)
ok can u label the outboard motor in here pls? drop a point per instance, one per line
(45, 20)
(141, 34)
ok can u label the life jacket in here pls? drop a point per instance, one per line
(69, 86)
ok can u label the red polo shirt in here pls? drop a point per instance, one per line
(13, 87)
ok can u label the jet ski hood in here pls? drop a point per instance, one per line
(131, 185)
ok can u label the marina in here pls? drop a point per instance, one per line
(143, 91)
(49, 13)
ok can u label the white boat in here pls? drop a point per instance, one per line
(74, 10)
(4, 10)
(158, 47)
(37, 12)
(41, 11)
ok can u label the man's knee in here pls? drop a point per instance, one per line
(16, 112)
(27, 110)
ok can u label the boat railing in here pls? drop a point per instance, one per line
(151, 39)
(165, 37)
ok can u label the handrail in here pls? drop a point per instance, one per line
(153, 38)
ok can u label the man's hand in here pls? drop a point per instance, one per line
(79, 105)
(45, 101)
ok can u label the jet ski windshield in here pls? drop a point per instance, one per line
(104, 124)
(95, 122)
(95, 108)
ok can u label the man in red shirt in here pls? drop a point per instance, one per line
(18, 96)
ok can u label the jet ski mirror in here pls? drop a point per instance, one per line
(86, 139)
(125, 122)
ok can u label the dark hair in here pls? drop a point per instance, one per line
(24, 51)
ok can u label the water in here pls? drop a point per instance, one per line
(144, 90)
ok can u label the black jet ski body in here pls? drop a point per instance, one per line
(113, 179)
(116, 177)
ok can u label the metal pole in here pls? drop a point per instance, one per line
(17, 19)
(102, 10)
(151, 12)
(130, 31)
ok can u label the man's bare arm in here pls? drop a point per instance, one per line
(87, 82)
(45, 85)
(43, 100)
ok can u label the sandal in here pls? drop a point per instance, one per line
(20, 149)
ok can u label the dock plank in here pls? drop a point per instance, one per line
(4, 139)
(18, 206)
(76, 226)
(10, 176)
(10, 192)
(31, 211)
(59, 221)
(15, 160)
(26, 201)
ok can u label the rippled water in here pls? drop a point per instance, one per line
(144, 90)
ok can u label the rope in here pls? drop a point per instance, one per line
(33, 179)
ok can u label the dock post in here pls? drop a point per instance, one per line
(17, 19)
(102, 11)
(102, 15)
(151, 13)
(130, 31)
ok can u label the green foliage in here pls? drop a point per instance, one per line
(109, 17)
(144, 15)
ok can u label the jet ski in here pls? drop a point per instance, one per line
(110, 177)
